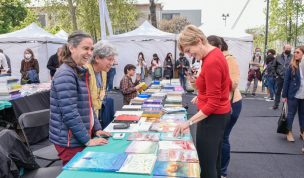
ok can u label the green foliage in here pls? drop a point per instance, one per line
(12, 13)
(122, 13)
(175, 25)
(30, 18)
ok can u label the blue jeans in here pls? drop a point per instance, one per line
(295, 104)
(236, 110)
(182, 80)
(110, 78)
(271, 86)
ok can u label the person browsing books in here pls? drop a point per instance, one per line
(72, 120)
(214, 86)
(127, 86)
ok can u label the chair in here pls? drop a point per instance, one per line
(35, 128)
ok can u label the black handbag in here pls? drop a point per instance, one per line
(282, 122)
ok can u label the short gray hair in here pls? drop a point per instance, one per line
(102, 50)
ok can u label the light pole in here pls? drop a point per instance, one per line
(298, 2)
(225, 16)
(266, 31)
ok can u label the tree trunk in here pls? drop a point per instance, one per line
(73, 14)
(153, 13)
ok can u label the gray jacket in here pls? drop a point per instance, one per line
(281, 64)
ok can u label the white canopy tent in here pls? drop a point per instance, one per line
(240, 44)
(40, 41)
(62, 34)
(146, 39)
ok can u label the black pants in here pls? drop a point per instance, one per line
(209, 139)
(279, 87)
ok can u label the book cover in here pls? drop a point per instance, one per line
(169, 136)
(142, 147)
(139, 164)
(132, 107)
(178, 155)
(176, 169)
(126, 118)
(139, 136)
(133, 113)
(96, 161)
(173, 118)
(178, 145)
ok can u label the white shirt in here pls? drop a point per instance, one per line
(300, 92)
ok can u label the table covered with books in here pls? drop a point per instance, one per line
(142, 144)
(16, 99)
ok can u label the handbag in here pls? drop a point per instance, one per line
(282, 122)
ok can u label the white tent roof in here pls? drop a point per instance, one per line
(62, 34)
(144, 32)
(30, 33)
(226, 33)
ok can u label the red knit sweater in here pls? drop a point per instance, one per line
(214, 84)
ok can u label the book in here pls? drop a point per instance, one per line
(139, 136)
(152, 113)
(127, 118)
(144, 125)
(176, 169)
(135, 113)
(131, 107)
(173, 117)
(169, 136)
(142, 147)
(153, 101)
(178, 145)
(178, 155)
(96, 161)
(142, 86)
(163, 127)
(139, 164)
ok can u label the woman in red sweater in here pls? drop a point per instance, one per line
(213, 85)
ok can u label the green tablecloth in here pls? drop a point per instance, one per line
(5, 104)
(114, 146)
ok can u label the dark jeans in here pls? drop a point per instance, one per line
(209, 139)
(236, 110)
(271, 86)
(295, 105)
(182, 80)
(278, 92)
(110, 78)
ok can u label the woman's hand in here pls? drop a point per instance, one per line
(194, 100)
(100, 133)
(97, 141)
(284, 100)
(181, 129)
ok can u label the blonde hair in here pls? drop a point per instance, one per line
(190, 36)
(294, 64)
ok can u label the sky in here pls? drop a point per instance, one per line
(212, 11)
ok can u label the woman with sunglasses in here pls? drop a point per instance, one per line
(293, 92)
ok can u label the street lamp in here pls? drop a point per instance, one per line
(225, 16)
(298, 2)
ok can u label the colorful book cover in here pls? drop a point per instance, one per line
(139, 164)
(178, 145)
(189, 156)
(133, 113)
(163, 127)
(169, 136)
(142, 147)
(173, 118)
(96, 161)
(153, 101)
(131, 107)
(139, 136)
(126, 118)
(176, 169)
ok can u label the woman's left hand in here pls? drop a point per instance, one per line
(100, 132)
(181, 128)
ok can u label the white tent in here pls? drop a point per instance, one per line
(40, 41)
(146, 39)
(62, 34)
(240, 44)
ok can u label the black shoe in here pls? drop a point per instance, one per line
(253, 94)
(275, 107)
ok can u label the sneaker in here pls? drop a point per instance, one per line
(266, 97)
(269, 99)
(275, 107)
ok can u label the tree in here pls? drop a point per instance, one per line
(175, 25)
(12, 13)
(153, 13)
